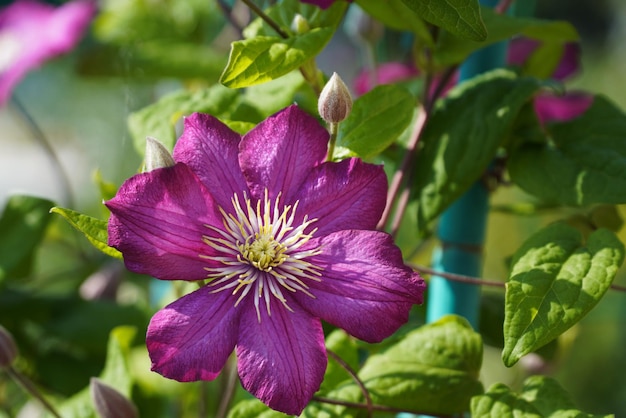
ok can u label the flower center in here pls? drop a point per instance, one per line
(10, 49)
(261, 252)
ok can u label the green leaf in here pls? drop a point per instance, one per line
(94, 229)
(158, 120)
(541, 397)
(22, 226)
(433, 369)
(377, 119)
(397, 15)
(460, 17)
(555, 279)
(253, 408)
(463, 135)
(116, 374)
(500, 27)
(583, 163)
(264, 56)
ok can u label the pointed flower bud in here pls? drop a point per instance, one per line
(109, 403)
(8, 349)
(157, 156)
(335, 102)
(299, 25)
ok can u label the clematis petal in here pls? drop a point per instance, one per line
(551, 108)
(324, 4)
(365, 288)
(282, 358)
(158, 220)
(279, 152)
(346, 195)
(570, 61)
(192, 338)
(211, 150)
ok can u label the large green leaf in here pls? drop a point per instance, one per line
(541, 397)
(94, 229)
(433, 369)
(463, 135)
(265, 55)
(500, 27)
(159, 119)
(22, 226)
(377, 119)
(253, 408)
(555, 279)
(583, 163)
(460, 17)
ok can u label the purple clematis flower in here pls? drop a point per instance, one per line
(283, 237)
(32, 32)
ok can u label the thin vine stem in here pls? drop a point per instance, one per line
(461, 278)
(376, 407)
(227, 11)
(256, 9)
(229, 390)
(28, 386)
(357, 380)
(41, 138)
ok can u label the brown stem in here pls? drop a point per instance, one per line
(31, 389)
(375, 407)
(357, 380)
(256, 9)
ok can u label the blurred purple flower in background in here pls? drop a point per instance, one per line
(32, 32)
(324, 4)
(284, 239)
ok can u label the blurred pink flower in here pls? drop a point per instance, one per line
(324, 4)
(32, 32)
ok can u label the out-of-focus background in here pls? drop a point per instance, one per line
(84, 116)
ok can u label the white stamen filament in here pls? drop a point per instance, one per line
(260, 249)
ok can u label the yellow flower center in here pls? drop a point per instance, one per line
(260, 249)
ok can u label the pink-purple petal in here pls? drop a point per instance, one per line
(346, 195)
(282, 358)
(192, 338)
(365, 288)
(279, 152)
(158, 220)
(211, 150)
(550, 108)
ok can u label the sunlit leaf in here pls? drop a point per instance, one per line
(555, 279)
(377, 119)
(94, 229)
(397, 15)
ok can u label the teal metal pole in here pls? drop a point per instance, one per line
(462, 226)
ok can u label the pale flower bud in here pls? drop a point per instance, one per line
(299, 25)
(335, 102)
(157, 156)
(8, 349)
(109, 403)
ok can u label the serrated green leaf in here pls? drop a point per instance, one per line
(585, 162)
(397, 15)
(377, 119)
(158, 120)
(541, 397)
(555, 280)
(116, 374)
(500, 27)
(22, 226)
(460, 17)
(94, 229)
(253, 408)
(264, 56)
(463, 135)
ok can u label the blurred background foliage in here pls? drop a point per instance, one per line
(61, 298)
